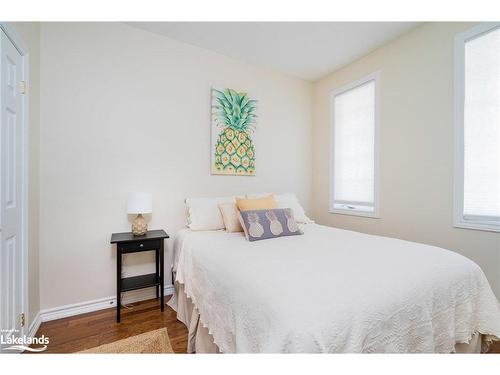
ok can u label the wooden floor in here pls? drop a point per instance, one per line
(86, 331)
(495, 348)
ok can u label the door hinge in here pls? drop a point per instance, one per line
(22, 87)
(22, 319)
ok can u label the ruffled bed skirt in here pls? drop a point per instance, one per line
(201, 341)
(199, 338)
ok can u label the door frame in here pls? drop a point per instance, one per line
(18, 42)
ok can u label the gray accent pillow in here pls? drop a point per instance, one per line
(268, 223)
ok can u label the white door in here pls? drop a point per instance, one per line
(11, 190)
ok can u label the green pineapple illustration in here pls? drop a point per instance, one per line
(235, 116)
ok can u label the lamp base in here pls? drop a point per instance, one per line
(139, 226)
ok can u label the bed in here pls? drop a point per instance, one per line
(329, 291)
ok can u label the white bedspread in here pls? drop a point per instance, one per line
(333, 290)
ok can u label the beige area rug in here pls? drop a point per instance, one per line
(153, 342)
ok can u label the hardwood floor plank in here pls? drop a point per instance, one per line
(495, 347)
(73, 334)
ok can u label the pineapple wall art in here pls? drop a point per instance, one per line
(233, 132)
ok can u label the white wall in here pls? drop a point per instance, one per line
(30, 34)
(416, 146)
(126, 110)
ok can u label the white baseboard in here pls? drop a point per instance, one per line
(95, 305)
(35, 324)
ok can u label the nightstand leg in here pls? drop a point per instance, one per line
(162, 278)
(157, 256)
(118, 283)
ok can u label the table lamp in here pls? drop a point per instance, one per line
(139, 203)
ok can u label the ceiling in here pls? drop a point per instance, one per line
(308, 50)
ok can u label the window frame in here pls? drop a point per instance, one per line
(376, 204)
(459, 219)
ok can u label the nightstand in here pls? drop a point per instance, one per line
(127, 243)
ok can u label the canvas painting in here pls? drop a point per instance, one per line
(234, 121)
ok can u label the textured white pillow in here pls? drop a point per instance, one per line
(288, 200)
(204, 213)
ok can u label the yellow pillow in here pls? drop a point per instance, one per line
(264, 203)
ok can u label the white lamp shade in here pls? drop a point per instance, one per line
(140, 203)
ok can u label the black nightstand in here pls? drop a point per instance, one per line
(127, 243)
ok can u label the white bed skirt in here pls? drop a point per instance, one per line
(199, 338)
(201, 341)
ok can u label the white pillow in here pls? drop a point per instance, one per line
(288, 200)
(204, 213)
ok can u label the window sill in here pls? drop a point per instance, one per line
(476, 226)
(372, 215)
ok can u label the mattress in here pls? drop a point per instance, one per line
(334, 291)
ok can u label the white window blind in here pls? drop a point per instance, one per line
(479, 129)
(354, 138)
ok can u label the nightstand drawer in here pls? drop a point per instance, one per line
(139, 246)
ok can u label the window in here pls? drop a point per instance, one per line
(477, 128)
(354, 174)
